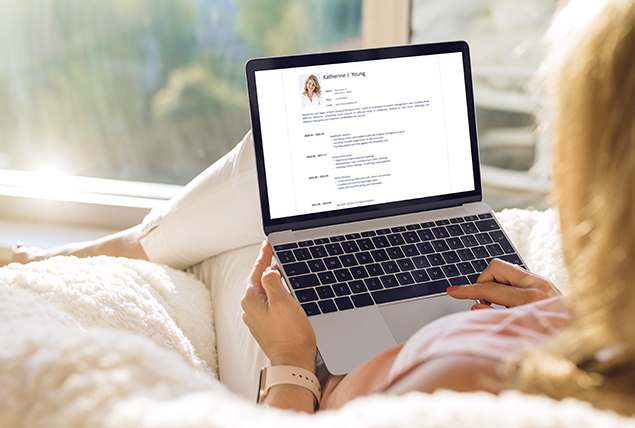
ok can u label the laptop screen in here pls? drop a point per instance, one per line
(341, 136)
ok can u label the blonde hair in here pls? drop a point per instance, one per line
(593, 359)
(317, 89)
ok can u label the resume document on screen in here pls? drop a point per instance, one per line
(384, 131)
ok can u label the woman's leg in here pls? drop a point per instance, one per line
(126, 243)
(217, 211)
(239, 355)
(214, 229)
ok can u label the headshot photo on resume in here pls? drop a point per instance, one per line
(312, 94)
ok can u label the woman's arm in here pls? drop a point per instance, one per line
(281, 328)
(507, 285)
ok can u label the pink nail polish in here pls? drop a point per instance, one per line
(453, 287)
(474, 308)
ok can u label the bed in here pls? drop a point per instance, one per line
(114, 342)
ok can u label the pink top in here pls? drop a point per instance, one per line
(491, 334)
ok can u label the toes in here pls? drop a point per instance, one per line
(20, 253)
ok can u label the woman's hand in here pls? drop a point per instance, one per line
(275, 319)
(507, 285)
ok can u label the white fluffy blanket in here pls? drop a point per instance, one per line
(107, 342)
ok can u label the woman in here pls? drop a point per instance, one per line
(312, 95)
(592, 355)
(583, 347)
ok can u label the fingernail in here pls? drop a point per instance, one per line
(474, 308)
(452, 288)
(268, 269)
(18, 244)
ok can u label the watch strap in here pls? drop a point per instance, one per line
(292, 375)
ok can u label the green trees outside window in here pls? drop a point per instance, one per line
(143, 90)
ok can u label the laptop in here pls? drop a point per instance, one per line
(370, 189)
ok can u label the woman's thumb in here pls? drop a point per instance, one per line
(272, 283)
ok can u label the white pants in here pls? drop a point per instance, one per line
(213, 229)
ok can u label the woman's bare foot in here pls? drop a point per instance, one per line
(122, 244)
(23, 254)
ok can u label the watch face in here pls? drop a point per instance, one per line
(261, 385)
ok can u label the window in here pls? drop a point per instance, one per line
(144, 90)
(506, 43)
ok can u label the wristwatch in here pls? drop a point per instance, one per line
(271, 376)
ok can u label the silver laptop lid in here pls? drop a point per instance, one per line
(356, 135)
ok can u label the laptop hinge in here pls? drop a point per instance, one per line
(319, 221)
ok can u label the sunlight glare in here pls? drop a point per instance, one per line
(49, 178)
(50, 171)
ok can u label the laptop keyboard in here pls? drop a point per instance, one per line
(343, 272)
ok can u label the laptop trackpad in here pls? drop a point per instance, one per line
(405, 318)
